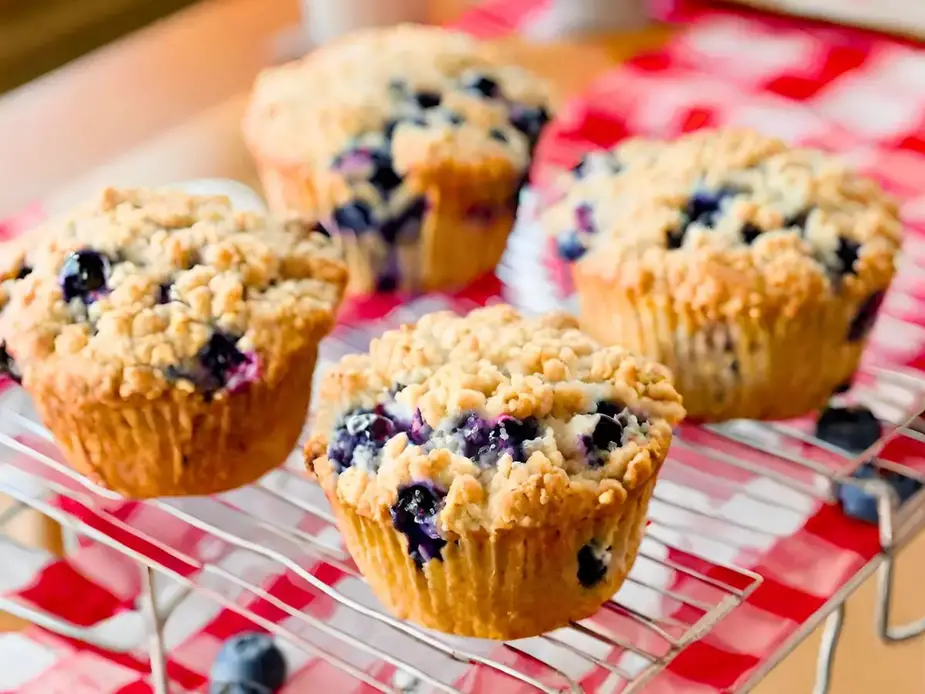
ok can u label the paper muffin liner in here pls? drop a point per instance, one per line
(179, 444)
(740, 367)
(455, 245)
(504, 585)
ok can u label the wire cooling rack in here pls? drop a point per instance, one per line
(729, 497)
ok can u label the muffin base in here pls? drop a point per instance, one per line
(509, 584)
(179, 444)
(738, 367)
(454, 246)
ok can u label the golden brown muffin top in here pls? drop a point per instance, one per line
(515, 421)
(142, 291)
(434, 95)
(727, 220)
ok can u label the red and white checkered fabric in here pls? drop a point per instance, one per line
(845, 90)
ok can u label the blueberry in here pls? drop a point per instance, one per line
(529, 120)
(610, 408)
(750, 232)
(249, 663)
(864, 320)
(508, 436)
(854, 429)
(406, 225)
(83, 275)
(219, 364)
(704, 205)
(607, 431)
(357, 216)
(24, 272)
(847, 255)
(8, 365)
(383, 176)
(674, 239)
(482, 85)
(859, 504)
(426, 100)
(163, 292)
(570, 246)
(593, 563)
(387, 283)
(497, 134)
(373, 164)
(363, 431)
(584, 218)
(473, 432)
(414, 515)
(420, 430)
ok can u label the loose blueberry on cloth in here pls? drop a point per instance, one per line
(249, 663)
(855, 429)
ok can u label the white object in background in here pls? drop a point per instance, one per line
(562, 18)
(325, 20)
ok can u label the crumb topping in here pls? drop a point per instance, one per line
(729, 217)
(505, 415)
(143, 291)
(430, 93)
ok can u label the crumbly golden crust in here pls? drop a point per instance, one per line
(785, 227)
(180, 269)
(310, 110)
(496, 363)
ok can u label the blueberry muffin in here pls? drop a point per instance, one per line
(491, 473)
(168, 342)
(753, 270)
(409, 143)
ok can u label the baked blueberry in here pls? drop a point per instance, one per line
(426, 99)
(497, 134)
(750, 232)
(584, 218)
(386, 283)
(383, 176)
(473, 433)
(846, 255)
(481, 85)
(8, 365)
(607, 431)
(704, 205)
(249, 663)
(220, 364)
(24, 272)
(858, 503)
(83, 275)
(356, 216)
(854, 429)
(508, 436)
(593, 563)
(529, 120)
(414, 514)
(359, 437)
(570, 246)
(163, 292)
(420, 430)
(674, 239)
(610, 408)
(864, 319)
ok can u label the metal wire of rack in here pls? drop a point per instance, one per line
(686, 581)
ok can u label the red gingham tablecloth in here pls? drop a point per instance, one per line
(845, 90)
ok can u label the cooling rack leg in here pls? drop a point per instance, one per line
(825, 662)
(887, 633)
(155, 632)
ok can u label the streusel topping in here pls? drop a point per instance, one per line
(142, 291)
(430, 93)
(515, 420)
(728, 216)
